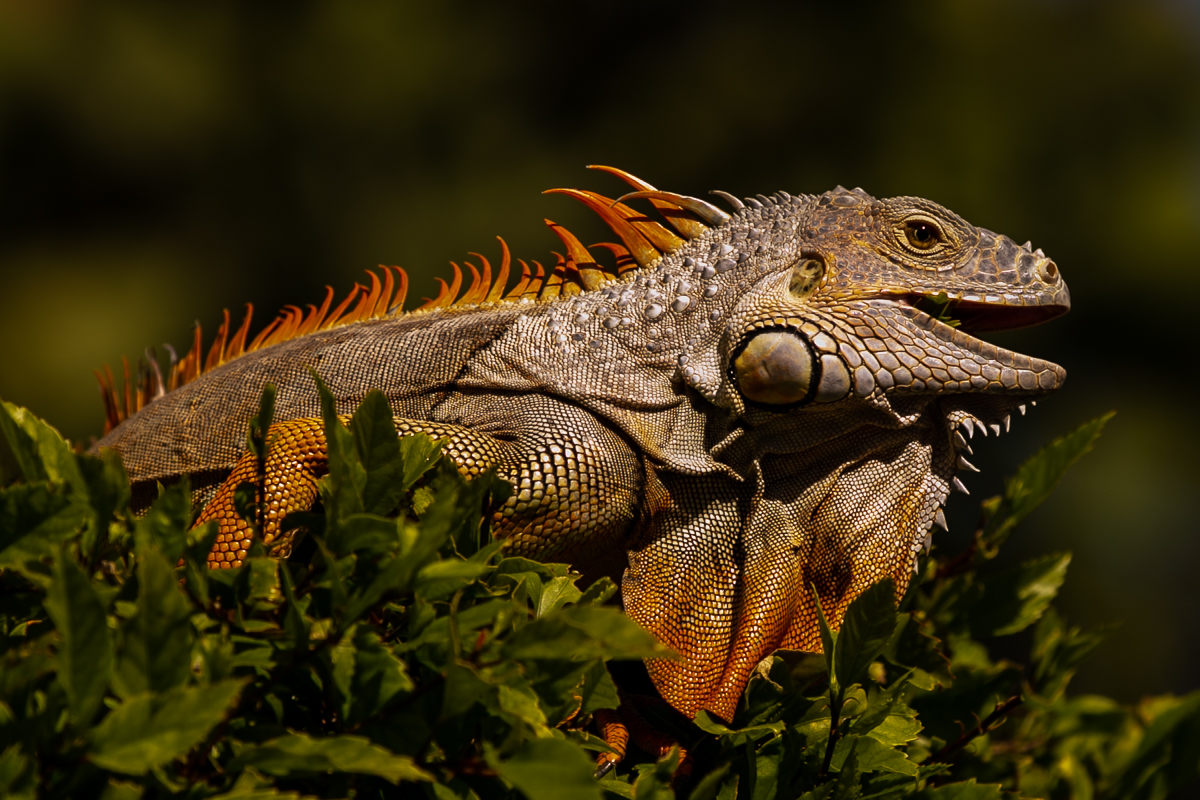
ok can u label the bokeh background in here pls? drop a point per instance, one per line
(160, 162)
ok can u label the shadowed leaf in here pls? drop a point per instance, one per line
(148, 730)
(86, 656)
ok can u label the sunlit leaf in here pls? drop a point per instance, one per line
(549, 769)
(86, 656)
(40, 450)
(35, 519)
(299, 754)
(378, 448)
(156, 644)
(868, 625)
(1016, 598)
(149, 730)
(582, 632)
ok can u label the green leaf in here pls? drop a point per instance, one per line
(828, 641)
(18, 774)
(967, 790)
(775, 765)
(156, 643)
(887, 718)
(419, 454)
(709, 724)
(260, 423)
(167, 521)
(342, 488)
(1168, 756)
(1016, 598)
(147, 730)
(578, 632)
(597, 690)
(549, 769)
(869, 623)
(35, 520)
(1037, 477)
(848, 785)
(40, 450)
(108, 492)
(873, 755)
(706, 788)
(299, 754)
(443, 578)
(520, 702)
(86, 656)
(378, 447)
(379, 677)
(654, 780)
(558, 593)
(1057, 650)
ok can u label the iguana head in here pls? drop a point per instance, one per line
(854, 394)
(848, 308)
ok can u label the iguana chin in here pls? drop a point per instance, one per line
(749, 405)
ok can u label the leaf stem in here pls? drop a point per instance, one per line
(835, 710)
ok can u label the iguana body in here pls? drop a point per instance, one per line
(754, 409)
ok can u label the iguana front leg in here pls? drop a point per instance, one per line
(576, 485)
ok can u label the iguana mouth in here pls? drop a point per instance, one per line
(979, 315)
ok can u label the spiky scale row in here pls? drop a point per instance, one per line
(645, 242)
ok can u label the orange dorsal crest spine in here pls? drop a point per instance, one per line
(644, 242)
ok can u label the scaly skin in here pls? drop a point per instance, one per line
(760, 410)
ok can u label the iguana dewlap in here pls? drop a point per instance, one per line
(748, 405)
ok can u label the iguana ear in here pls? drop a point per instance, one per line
(726, 583)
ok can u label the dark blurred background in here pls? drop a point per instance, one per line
(160, 162)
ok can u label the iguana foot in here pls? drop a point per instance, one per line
(618, 727)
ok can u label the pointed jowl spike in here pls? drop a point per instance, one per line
(928, 541)
(964, 464)
(1027, 245)
(939, 519)
(995, 426)
(958, 486)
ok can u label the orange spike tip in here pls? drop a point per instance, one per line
(641, 248)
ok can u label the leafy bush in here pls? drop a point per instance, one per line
(398, 651)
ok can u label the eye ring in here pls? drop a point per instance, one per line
(923, 235)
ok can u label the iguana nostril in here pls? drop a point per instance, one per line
(1048, 271)
(775, 368)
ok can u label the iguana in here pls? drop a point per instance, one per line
(748, 405)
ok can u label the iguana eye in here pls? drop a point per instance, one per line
(775, 368)
(806, 277)
(922, 235)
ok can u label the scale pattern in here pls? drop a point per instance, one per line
(722, 411)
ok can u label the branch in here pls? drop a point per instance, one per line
(994, 720)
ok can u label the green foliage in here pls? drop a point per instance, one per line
(399, 652)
